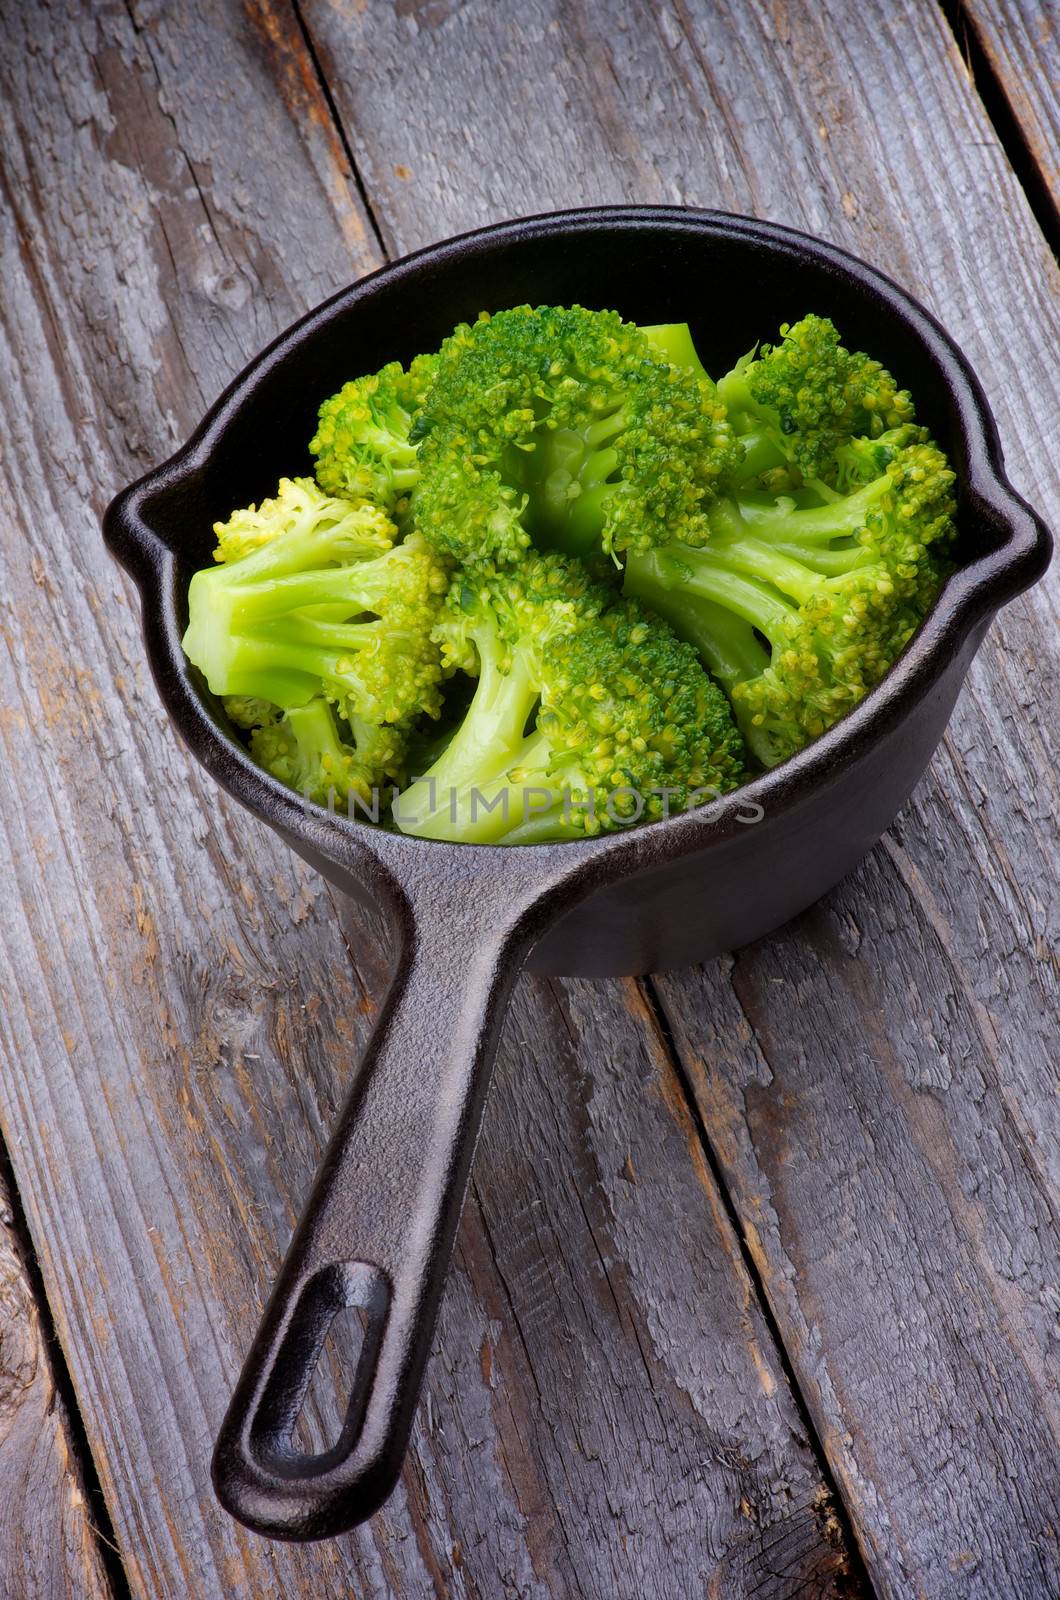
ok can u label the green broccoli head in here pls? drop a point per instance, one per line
(587, 714)
(491, 609)
(300, 507)
(630, 719)
(797, 402)
(247, 712)
(568, 426)
(323, 606)
(783, 537)
(328, 759)
(799, 610)
(362, 441)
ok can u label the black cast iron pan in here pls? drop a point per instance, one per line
(379, 1226)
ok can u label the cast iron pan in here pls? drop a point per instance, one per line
(379, 1226)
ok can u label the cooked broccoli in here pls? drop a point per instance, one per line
(362, 441)
(246, 712)
(447, 598)
(323, 604)
(673, 341)
(587, 714)
(796, 403)
(310, 751)
(299, 506)
(570, 427)
(798, 610)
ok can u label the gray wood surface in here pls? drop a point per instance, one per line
(607, 1412)
(49, 1548)
(1020, 40)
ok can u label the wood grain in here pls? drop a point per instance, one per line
(878, 1083)
(1020, 40)
(49, 1548)
(179, 1009)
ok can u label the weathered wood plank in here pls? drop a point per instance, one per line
(910, 1022)
(606, 1417)
(179, 1010)
(1020, 40)
(48, 1546)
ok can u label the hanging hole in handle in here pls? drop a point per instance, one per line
(349, 1299)
(324, 1416)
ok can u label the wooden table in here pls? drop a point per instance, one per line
(756, 1285)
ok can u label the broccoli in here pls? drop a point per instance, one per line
(308, 750)
(362, 441)
(298, 505)
(570, 428)
(322, 604)
(794, 404)
(799, 609)
(558, 573)
(247, 712)
(674, 343)
(587, 714)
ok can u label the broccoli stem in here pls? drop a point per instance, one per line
(567, 476)
(832, 563)
(398, 453)
(313, 725)
(727, 642)
(478, 757)
(673, 340)
(586, 514)
(781, 519)
(734, 392)
(756, 559)
(762, 607)
(294, 551)
(254, 603)
(545, 827)
(607, 427)
(761, 454)
(286, 661)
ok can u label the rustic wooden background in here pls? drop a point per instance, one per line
(756, 1289)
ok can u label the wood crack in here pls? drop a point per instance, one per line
(64, 1397)
(991, 90)
(361, 186)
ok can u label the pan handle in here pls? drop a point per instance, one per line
(377, 1233)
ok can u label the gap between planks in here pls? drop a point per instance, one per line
(97, 1515)
(363, 195)
(991, 90)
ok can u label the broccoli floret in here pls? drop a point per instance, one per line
(246, 712)
(798, 610)
(794, 404)
(310, 751)
(299, 506)
(570, 427)
(324, 606)
(362, 441)
(783, 535)
(495, 625)
(587, 715)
